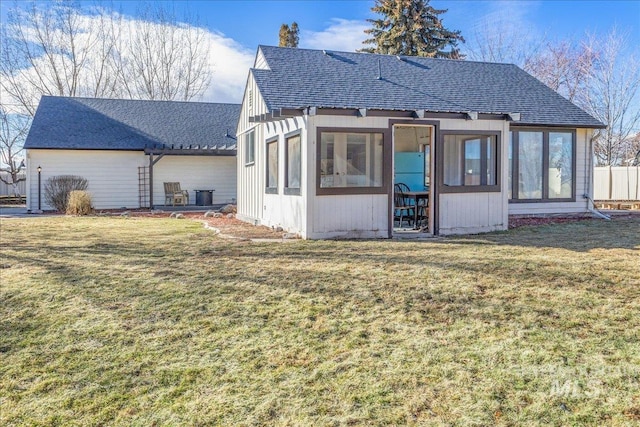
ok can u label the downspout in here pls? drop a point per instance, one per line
(588, 177)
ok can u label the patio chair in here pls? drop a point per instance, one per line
(174, 195)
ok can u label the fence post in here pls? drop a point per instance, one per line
(610, 183)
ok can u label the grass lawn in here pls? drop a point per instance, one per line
(116, 321)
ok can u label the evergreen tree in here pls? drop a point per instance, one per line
(289, 36)
(411, 27)
(283, 35)
(294, 35)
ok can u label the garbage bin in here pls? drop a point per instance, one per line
(204, 197)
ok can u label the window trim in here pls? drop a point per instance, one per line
(291, 191)
(386, 156)
(251, 162)
(446, 189)
(515, 165)
(267, 189)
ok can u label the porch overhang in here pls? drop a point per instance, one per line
(158, 152)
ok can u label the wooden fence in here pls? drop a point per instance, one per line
(7, 190)
(616, 183)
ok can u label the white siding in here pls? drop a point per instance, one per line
(250, 177)
(112, 175)
(468, 213)
(329, 216)
(368, 215)
(196, 173)
(260, 62)
(465, 213)
(344, 216)
(352, 216)
(584, 180)
(281, 210)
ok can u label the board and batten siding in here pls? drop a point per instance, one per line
(368, 215)
(344, 216)
(196, 173)
(260, 62)
(584, 185)
(476, 212)
(285, 210)
(250, 176)
(112, 175)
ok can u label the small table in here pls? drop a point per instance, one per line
(204, 197)
(418, 196)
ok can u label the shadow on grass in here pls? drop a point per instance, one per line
(211, 263)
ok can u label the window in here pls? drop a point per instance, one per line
(350, 160)
(250, 148)
(543, 162)
(530, 160)
(560, 165)
(470, 162)
(272, 166)
(293, 162)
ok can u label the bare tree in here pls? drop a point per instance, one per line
(634, 151)
(599, 74)
(165, 59)
(54, 50)
(501, 43)
(13, 131)
(613, 89)
(62, 49)
(564, 66)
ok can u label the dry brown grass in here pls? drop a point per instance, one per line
(158, 322)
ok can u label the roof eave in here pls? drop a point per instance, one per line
(560, 125)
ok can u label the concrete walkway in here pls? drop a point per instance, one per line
(18, 212)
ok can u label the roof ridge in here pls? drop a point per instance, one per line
(139, 100)
(388, 55)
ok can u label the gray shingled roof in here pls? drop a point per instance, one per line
(300, 78)
(122, 124)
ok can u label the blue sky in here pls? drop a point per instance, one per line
(257, 22)
(237, 27)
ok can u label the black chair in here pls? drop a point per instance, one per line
(423, 214)
(403, 210)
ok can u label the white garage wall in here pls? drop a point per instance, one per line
(113, 175)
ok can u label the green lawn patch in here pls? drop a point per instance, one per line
(133, 321)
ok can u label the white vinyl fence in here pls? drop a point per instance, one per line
(616, 183)
(7, 190)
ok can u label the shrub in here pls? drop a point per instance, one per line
(57, 189)
(79, 203)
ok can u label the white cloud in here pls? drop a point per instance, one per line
(341, 34)
(508, 16)
(230, 62)
(503, 31)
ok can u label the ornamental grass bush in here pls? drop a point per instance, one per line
(79, 203)
(58, 188)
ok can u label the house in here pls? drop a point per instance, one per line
(323, 137)
(126, 149)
